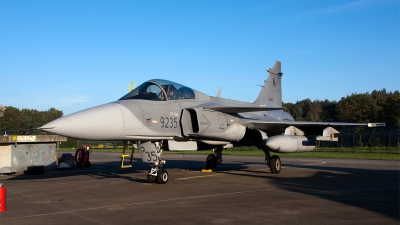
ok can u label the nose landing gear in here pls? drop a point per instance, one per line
(156, 174)
(151, 153)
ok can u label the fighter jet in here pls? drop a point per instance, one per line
(164, 115)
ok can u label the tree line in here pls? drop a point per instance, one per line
(16, 121)
(378, 106)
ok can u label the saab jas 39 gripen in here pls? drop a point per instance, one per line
(164, 115)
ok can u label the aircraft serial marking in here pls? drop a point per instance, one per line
(168, 122)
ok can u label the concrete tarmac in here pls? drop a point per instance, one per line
(243, 191)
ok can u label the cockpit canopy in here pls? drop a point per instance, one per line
(160, 90)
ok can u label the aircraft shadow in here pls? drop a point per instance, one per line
(373, 190)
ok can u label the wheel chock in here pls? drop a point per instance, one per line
(206, 171)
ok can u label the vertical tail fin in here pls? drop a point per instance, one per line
(271, 90)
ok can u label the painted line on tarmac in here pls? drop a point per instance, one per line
(224, 172)
(267, 169)
(187, 178)
(317, 163)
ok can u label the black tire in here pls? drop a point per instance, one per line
(211, 162)
(76, 159)
(275, 164)
(87, 164)
(151, 179)
(162, 176)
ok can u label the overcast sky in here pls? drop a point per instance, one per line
(72, 55)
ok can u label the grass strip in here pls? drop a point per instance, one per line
(337, 153)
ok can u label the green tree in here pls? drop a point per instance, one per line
(305, 105)
(328, 113)
(17, 121)
(294, 110)
(52, 114)
(314, 112)
(358, 108)
(391, 109)
(2, 109)
(26, 118)
(11, 120)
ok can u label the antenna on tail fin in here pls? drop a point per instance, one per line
(271, 90)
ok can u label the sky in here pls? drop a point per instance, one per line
(72, 55)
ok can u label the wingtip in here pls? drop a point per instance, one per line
(376, 124)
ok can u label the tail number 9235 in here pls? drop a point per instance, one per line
(168, 122)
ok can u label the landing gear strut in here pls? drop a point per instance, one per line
(213, 160)
(151, 153)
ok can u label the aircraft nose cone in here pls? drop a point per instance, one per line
(104, 122)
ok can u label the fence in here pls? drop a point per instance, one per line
(388, 137)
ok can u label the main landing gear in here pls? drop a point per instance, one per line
(213, 160)
(274, 162)
(151, 153)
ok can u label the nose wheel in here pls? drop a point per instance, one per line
(151, 178)
(156, 174)
(151, 153)
(162, 176)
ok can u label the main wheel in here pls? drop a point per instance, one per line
(162, 176)
(275, 164)
(212, 162)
